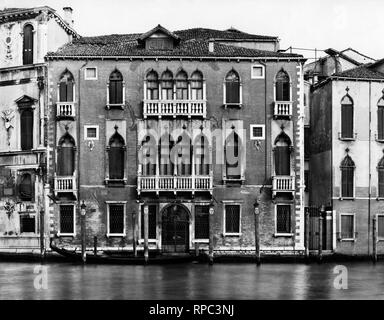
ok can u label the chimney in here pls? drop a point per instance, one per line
(211, 45)
(68, 16)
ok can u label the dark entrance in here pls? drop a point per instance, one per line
(175, 229)
(314, 214)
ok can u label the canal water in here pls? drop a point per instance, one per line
(191, 281)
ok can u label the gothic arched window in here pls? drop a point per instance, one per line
(152, 85)
(380, 119)
(347, 117)
(380, 175)
(282, 155)
(347, 168)
(197, 86)
(166, 164)
(66, 87)
(167, 85)
(184, 155)
(115, 88)
(66, 156)
(232, 156)
(282, 86)
(201, 154)
(232, 87)
(116, 154)
(149, 155)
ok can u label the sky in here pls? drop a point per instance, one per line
(321, 24)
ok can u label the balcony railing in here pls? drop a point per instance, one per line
(65, 110)
(174, 108)
(65, 185)
(283, 184)
(283, 109)
(174, 183)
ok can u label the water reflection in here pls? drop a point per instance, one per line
(192, 281)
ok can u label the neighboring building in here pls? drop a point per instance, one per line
(221, 120)
(26, 36)
(347, 160)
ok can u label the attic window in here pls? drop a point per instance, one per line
(159, 43)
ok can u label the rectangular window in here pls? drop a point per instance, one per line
(116, 217)
(26, 129)
(152, 208)
(380, 226)
(232, 219)
(347, 226)
(257, 72)
(347, 121)
(257, 132)
(27, 223)
(283, 219)
(90, 73)
(201, 222)
(91, 132)
(380, 173)
(347, 177)
(67, 219)
(307, 142)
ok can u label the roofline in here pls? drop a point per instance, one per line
(274, 39)
(359, 53)
(36, 10)
(331, 78)
(376, 62)
(72, 57)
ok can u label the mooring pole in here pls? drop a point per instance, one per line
(307, 235)
(320, 257)
(197, 248)
(42, 240)
(211, 212)
(83, 232)
(95, 245)
(146, 252)
(374, 243)
(257, 232)
(134, 219)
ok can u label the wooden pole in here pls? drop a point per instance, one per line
(95, 245)
(257, 235)
(307, 235)
(374, 243)
(83, 237)
(134, 234)
(42, 245)
(146, 252)
(197, 248)
(320, 237)
(210, 259)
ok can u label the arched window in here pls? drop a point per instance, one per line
(282, 155)
(116, 157)
(201, 153)
(152, 85)
(115, 88)
(283, 86)
(232, 87)
(27, 44)
(26, 129)
(197, 86)
(184, 155)
(232, 156)
(347, 117)
(167, 85)
(182, 85)
(149, 155)
(26, 187)
(66, 86)
(380, 175)
(347, 177)
(66, 156)
(165, 155)
(380, 119)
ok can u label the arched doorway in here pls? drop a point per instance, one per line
(175, 229)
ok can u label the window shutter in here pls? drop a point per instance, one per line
(66, 161)
(28, 45)
(380, 123)
(347, 121)
(26, 126)
(282, 161)
(201, 222)
(347, 174)
(26, 187)
(380, 226)
(63, 92)
(232, 92)
(69, 86)
(116, 163)
(381, 182)
(346, 226)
